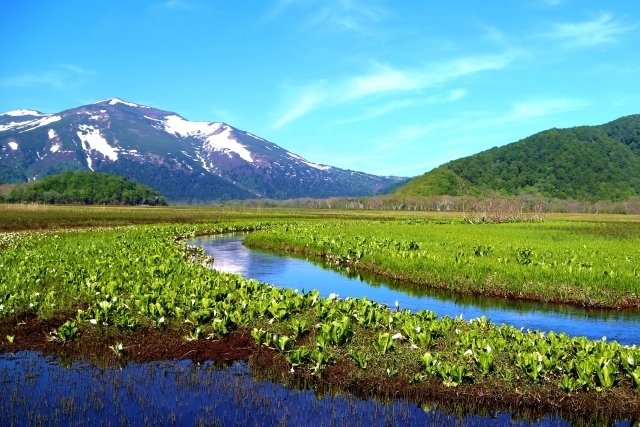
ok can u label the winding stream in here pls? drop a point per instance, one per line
(230, 255)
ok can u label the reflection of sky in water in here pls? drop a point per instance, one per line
(36, 390)
(230, 255)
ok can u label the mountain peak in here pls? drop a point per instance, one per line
(183, 159)
(115, 101)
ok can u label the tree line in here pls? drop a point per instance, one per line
(89, 188)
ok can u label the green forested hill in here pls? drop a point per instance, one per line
(86, 188)
(583, 163)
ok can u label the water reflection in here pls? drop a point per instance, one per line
(286, 271)
(37, 390)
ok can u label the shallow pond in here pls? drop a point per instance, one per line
(230, 255)
(37, 390)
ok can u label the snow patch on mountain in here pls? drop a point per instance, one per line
(203, 162)
(115, 101)
(35, 124)
(53, 137)
(256, 137)
(224, 141)
(217, 136)
(10, 125)
(308, 163)
(25, 122)
(23, 112)
(92, 140)
(178, 126)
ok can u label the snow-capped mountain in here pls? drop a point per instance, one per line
(184, 160)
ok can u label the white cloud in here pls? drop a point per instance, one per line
(354, 16)
(460, 135)
(390, 107)
(603, 29)
(224, 115)
(456, 94)
(385, 79)
(306, 100)
(388, 80)
(348, 15)
(467, 124)
(541, 108)
(522, 111)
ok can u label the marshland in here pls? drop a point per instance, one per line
(92, 291)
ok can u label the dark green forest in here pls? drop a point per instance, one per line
(87, 188)
(582, 163)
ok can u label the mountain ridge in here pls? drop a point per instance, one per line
(599, 162)
(184, 160)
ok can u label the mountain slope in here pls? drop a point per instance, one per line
(182, 159)
(584, 163)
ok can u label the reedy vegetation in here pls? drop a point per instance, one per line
(145, 275)
(590, 264)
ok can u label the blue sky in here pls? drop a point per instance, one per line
(387, 87)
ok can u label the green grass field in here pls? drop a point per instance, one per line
(584, 263)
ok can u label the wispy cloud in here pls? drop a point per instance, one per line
(61, 77)
(178, 5)
(493, 34)
(349, 15)
(467, 124)
(385, 80)
(554, 2)
(356, 16)
(603, 29)
(396, 105)
(305, 101)
(540, 108)
(462, 135)
(279, 7)
(223, 115)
